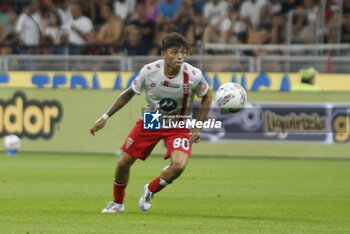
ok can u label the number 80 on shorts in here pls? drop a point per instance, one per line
(181, 142)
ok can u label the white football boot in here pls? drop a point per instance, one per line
(114, 207)
(145, 201)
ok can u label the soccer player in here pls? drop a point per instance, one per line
(170, 85)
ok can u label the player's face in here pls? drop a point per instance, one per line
(175, 56)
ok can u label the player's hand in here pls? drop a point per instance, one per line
(100, 123)
(196, 135)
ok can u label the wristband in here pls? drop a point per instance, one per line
(105, 116)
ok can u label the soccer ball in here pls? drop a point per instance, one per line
(12, 143)
(231, 97)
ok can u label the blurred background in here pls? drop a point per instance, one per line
(63, 63)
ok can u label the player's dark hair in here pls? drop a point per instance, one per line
(174, 39)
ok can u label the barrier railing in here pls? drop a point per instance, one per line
(278, 63)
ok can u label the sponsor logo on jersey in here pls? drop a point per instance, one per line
(168, 104)
(151, 120)
(152, 85)
(205, 86)
(170, 84)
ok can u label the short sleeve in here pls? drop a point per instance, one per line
(139, 83)
(201, 88)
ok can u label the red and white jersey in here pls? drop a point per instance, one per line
(170, 95)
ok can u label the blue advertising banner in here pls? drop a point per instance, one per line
(326, 122)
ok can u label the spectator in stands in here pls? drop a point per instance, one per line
(2, 31)
(277, 16)
(306, 23)
(196, 31)
(9, 40)
(111, 32)
(163, 29)
(78, 29)
(233, 25)
(307, 81)
(146, 26)
(331, 18)
(53, 27)
(134, 45)
(4, 21)
(96, 16)
(46, 45)
(63, 9)
(183, 19)
(8, 44)
(28, 28)
(167, 10)
(152, 9)
(198, 5)
(215, 12)
(253, 12)
(345, 38)
(124, 9)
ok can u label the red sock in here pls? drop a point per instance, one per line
(154, 186)
(119, 192)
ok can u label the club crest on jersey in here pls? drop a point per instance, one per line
(169, 84)
(205, 86)
(186, 88)
(167, 104)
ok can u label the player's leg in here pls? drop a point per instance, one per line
(178, 164)
(121, 179)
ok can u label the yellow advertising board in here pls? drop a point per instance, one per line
(121, 80)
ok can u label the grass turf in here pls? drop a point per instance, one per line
(65, 194)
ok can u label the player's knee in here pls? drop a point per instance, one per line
(124, 164)
(179, 167)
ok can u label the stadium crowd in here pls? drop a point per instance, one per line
(134, 27)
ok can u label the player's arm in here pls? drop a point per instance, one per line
(121, 101)
(196, 133)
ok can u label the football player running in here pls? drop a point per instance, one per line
(170, 85)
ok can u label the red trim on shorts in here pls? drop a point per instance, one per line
(186, 91)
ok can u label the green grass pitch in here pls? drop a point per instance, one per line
(66, 193)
